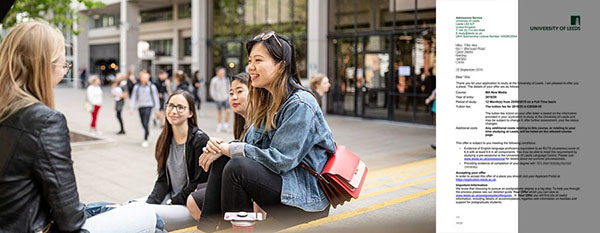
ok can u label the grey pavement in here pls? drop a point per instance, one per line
(399, 194)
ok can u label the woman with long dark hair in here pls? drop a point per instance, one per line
(285, 128)
(238, 100)
(177, 150)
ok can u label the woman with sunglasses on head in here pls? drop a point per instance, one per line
(285, 128)
(238, 100)
(177, 151)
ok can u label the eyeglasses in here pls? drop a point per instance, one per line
(66, 67)
(266, 36)
(178, 108)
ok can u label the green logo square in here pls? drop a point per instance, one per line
(575, 20)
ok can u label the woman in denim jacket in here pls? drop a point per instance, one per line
(286, 128)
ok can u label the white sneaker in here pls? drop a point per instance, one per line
(145, 144)
(218, 128)
(226, 127)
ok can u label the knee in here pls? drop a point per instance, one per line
(235, 167)
(193, 208)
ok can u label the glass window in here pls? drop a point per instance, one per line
(227, 18)
(161, 47)
(236, 21)
(103, 20)
(345, 12)
(161, 14)
(300, 12)
(187, 46)
(301, 48)
(185, 11)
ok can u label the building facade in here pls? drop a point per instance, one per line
(355, 42)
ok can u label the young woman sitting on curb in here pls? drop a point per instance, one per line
(177, 151)
(285, 128)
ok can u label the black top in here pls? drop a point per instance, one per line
(36, 173)
(317, 96)
(185, 85)
(161, 86)
(196, 140)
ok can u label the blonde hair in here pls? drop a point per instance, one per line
(27, 55)
(93, 78)
(315, 80)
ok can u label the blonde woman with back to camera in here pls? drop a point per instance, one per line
(39, 192)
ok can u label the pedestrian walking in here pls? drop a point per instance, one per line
(319, 85)
(94, 97)
(431, 100)
(119, 92)
(144, 97)
(219, 92)
(197, 83)
(181, 81)
(163, 85)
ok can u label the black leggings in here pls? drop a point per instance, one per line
(120, 121)
(234, 183)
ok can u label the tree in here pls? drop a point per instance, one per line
(56, 12)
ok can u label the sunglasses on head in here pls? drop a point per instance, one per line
(266, 35)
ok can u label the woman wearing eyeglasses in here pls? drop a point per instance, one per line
(39, 192)
(177, 151)
(286, 127)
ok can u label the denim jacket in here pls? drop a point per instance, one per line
(301, 135)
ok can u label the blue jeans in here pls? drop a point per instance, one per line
(145, 116)
(132, 217)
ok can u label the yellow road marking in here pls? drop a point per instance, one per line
(385, 171)
(353, 213)
(387, 190)
(408, 168)
(398, 171)
(397, 179)
(184, 230)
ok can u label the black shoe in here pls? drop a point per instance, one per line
(433, 146)
(121, 132)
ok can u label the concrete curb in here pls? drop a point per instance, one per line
(99, 142)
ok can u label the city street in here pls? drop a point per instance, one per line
(398, 195)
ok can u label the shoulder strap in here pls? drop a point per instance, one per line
(313, 172)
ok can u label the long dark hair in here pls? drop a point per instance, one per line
(262, 105)
(165, 138)
(238, 120)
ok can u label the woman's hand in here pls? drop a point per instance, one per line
(214, 145)
(207, 158)
(225, 149)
